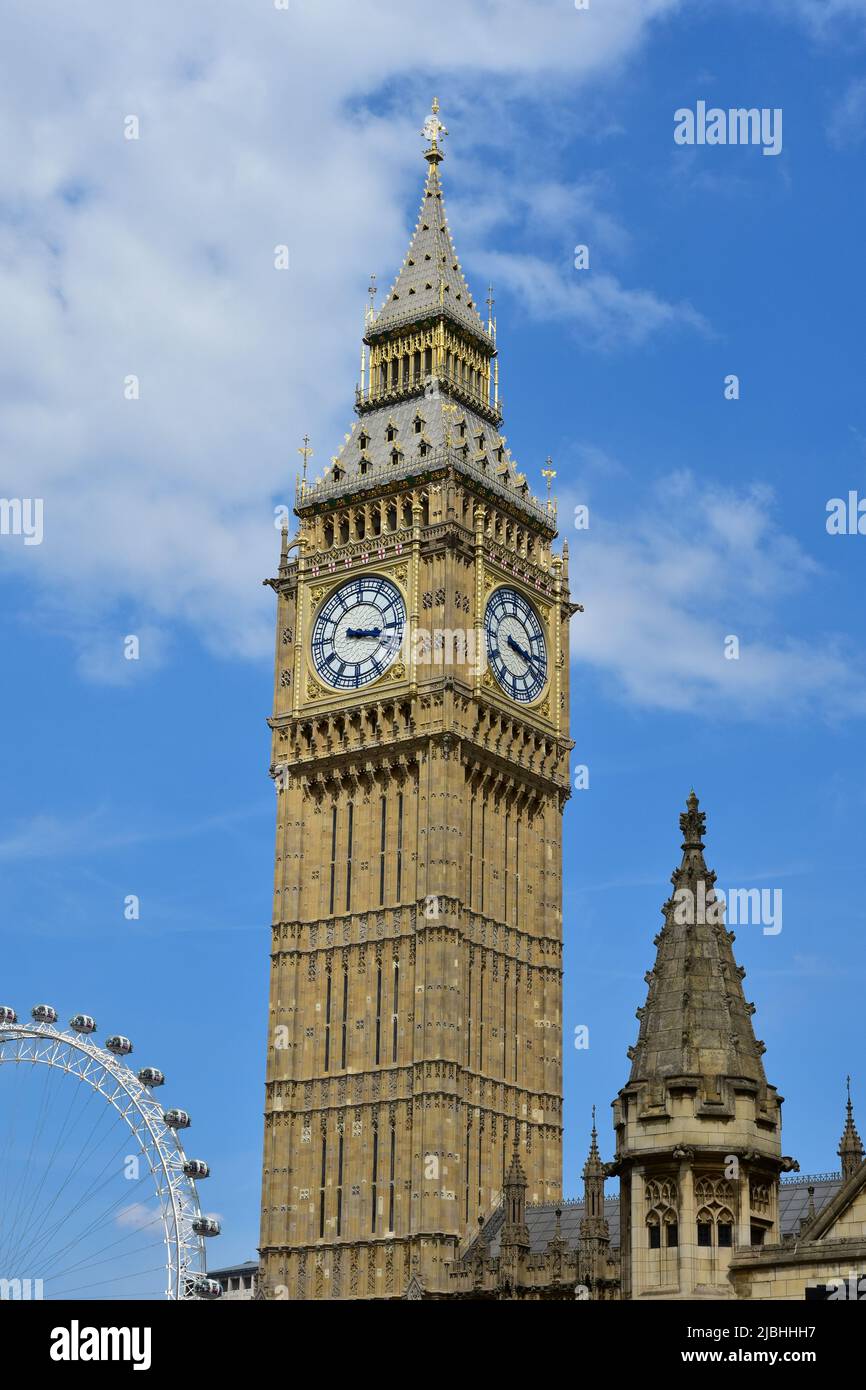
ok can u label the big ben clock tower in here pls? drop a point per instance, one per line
(420, 753)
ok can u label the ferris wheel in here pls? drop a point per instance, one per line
(97, 1197)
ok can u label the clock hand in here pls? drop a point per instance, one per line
(363, 632)
(515, 647)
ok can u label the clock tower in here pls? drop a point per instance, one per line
(420, 754)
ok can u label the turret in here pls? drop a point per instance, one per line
(698, 1126)
(850, 1148)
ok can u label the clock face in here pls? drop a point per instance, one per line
(516, 650)
(358, 632)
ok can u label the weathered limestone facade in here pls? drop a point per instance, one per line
(415, 1017)
(586, 1270)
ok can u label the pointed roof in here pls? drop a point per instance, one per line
(431, 279)
(594, 1167)
(696, 1021)
(515, 1175)
(850, 1149)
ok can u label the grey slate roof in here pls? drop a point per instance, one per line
(541, 1219)
(696, 1019)
(430, 279)
(437, 424)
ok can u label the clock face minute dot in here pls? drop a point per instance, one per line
(516, 650)
(358, 632)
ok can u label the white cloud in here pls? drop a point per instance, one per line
(664, 586)
(138, 1217)
(600, 309)
(155, 258)
(847, 123)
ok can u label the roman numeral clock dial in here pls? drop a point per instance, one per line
(358, 632)
(516, 650)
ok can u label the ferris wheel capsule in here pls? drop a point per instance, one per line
(43, 1013)
(206, 1226)
(177, 1119)
(207, 1288)
(196, 1168)
(7, 1015)
(83, 1023)
(151, 1076)
(120, 1046)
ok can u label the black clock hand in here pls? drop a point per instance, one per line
(515, 646)
(363, 632)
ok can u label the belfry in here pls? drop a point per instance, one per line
(420, 754)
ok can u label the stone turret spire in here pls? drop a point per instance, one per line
(696, 1020)
(850, 1149)
(515, 1232)
(698, 1127)
(593, 1189)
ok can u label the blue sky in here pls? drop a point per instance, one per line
(155, 257)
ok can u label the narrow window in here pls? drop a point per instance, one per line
(391, 1179)
(471, 848)
(725, 1233)
(340, 1188)
(517, 873)
(333, 858)
(374, 1187)
(466, 1160)
(705, 1233)
(469, 1017)
(396, 1011)
(399, 846)
(483, 837)
(382, 815)
(378, 1012)
(655, 1237)
(673, 1233)
(505, 867)
(345, 1013)
(757, 1236)
(328, 1024)
(481, 1019)
(322, 1188)
(349, 856)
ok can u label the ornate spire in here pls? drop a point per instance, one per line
(593, 1222)
(850, 1149)
(515, 1232)
(696, 1020)
(431, 280)
(593, 1166)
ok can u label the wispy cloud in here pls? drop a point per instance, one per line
(847, 123)
(691, 566)
(50, 837)
(154, 258)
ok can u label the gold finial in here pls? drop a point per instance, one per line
(307, 452)
(432, 130)
(371, 311)
(491, 322)
(549, 473)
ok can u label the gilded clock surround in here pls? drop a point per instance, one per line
(415, 1019)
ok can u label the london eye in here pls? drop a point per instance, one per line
(98, 1199)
